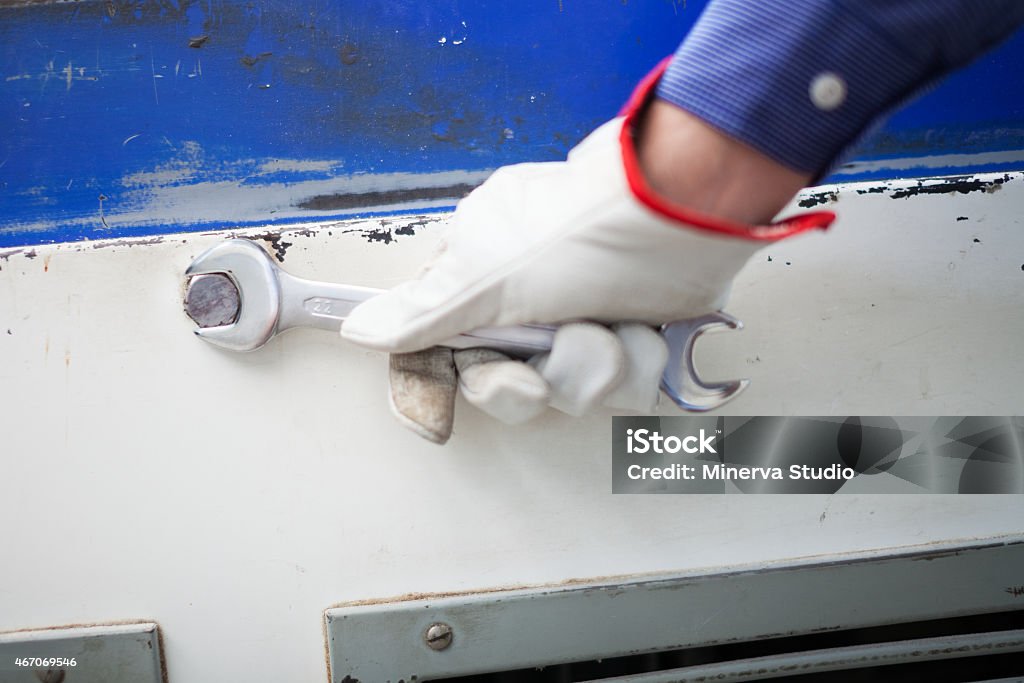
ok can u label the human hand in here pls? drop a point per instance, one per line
(584, 239)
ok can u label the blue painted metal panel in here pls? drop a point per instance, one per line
(128, 118)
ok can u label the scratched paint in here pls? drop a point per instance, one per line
(126, 119)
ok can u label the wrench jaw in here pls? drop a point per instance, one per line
(255, 276)
(680, 381)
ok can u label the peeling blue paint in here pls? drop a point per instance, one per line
(152, 117)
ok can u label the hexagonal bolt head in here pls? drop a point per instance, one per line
(212, 300)
(438, 636)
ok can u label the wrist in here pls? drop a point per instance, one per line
(691, 164)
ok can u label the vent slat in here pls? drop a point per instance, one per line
(837, 659)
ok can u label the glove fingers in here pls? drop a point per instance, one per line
(422, 386)
(421, 313)
(585, 363)
(646, 357)
(505, 389)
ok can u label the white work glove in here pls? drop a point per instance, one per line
(589, 365)
(583, 239)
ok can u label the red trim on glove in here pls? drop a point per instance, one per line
(646, 196)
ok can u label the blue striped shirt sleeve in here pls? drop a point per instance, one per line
(799, 81)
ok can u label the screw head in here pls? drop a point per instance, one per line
(212, 300)
(438, 636)
(50, 675)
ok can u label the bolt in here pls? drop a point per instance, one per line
(212, 300)
(50, 675)
(438, 636)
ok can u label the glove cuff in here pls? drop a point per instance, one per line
(644, 194)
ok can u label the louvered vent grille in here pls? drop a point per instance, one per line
(977, 648)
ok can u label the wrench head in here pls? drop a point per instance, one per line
(680, 381)
(255, 277)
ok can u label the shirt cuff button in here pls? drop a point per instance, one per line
(827, 91)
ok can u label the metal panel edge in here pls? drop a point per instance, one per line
(505, 630)
(128, 652)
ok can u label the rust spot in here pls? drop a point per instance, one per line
(349, 54)
(103, 219)
(385, 234)
(46, 263)
(378, 236)
(601, 583)
(826, 197)
(50, 675)
(198, 41)
(279, 246)
(960, 184)
(86, 624)
(162, 653)
(251, 61)
(67, 359)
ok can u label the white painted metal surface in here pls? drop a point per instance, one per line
(232, 498)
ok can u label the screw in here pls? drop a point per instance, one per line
(50, 675)
(438, 636)
(212, 300)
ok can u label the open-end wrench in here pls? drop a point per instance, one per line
(262, 300)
